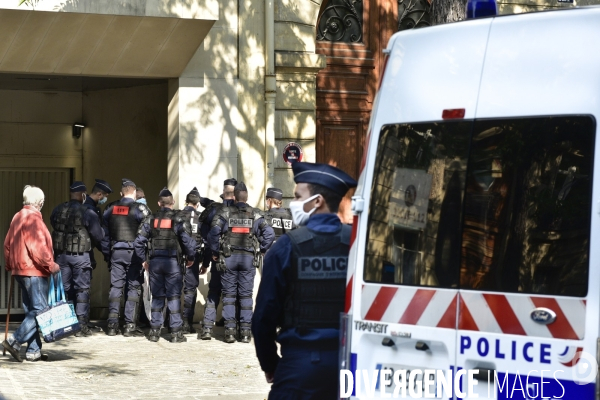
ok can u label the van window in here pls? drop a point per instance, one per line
(416, 202)
(528, 206)
(494, 205)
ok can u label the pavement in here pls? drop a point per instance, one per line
(101, 367)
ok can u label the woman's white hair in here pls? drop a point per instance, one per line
(32, 196)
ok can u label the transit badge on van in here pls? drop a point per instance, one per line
(543, 315)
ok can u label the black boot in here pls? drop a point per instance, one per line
(206, 334)
(154, 335)
(230, 334)
(130, 330)
(177, 337)
(187, 328)
(85, 329)
(245, 335)
(113, 329)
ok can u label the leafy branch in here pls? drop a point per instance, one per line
(31, 3)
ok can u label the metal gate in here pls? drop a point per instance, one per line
(55, 184)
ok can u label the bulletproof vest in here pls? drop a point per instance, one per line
(240, 220)
(123, 224)
(163, 235)
(281, 221)
(69, 232)
(317, 279)
(207, 216)
(193, 217)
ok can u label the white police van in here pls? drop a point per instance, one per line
(476, 242)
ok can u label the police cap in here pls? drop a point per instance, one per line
(275, 193)
(230, 182)
(127, 182)
(103, 185)
(165, 192)
(323, 174)
(194, 192)
(78, 186)
(241, 187)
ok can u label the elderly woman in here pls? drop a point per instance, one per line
(29, 257)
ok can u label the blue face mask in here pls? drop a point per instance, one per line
(104, 200)
(143, 201)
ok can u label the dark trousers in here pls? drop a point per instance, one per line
(166, 281)
(125, 269)
(191, 280)
(238, 281)
(76, 271)
(304, 374)
(214, 296)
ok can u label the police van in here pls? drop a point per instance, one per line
(476, 235)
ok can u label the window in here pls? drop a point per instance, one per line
(506, 209)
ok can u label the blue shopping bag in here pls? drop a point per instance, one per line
(58, 320)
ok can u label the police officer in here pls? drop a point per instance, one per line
(140, 196)
(191, 278)
(167, 236)
(123, 219)
(278, 218)
(98, 196)
(302, 290)
(238, 233)
(214, 285)
(77, 230)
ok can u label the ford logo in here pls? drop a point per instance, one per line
(543, 315)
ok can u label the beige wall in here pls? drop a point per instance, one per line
(35, 129)
(125, 137)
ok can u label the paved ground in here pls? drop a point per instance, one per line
(101, 367)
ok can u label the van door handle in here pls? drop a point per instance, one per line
(482, 375)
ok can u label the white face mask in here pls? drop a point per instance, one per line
(300, 216)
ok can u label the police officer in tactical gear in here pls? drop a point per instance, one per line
(97, 197)
(302, 290)
(123, 219)
(77, 230)
(214, 284)
(278, 218)
(238, 235)
(191, 278)
(164, 238)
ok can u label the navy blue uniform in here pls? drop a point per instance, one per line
(191, 279)
(165, 271)
(76, 268)
(125, 266)
(92, 205)
(309, 362)
(238, 278)
(214, 284)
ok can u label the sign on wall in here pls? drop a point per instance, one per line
(292, 153)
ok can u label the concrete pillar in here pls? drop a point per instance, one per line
(202, 136)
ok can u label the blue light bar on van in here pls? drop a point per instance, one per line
(481, 8)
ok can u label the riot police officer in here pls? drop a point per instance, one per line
(98, 196)
(278, 218)
(191, 278)
(299, 295)
(239, 234)
(167, 236)
(214, 284)
(123, 219)
(77, 230)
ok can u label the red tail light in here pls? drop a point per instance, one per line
(455, 113)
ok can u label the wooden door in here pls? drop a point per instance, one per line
(352, 34)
